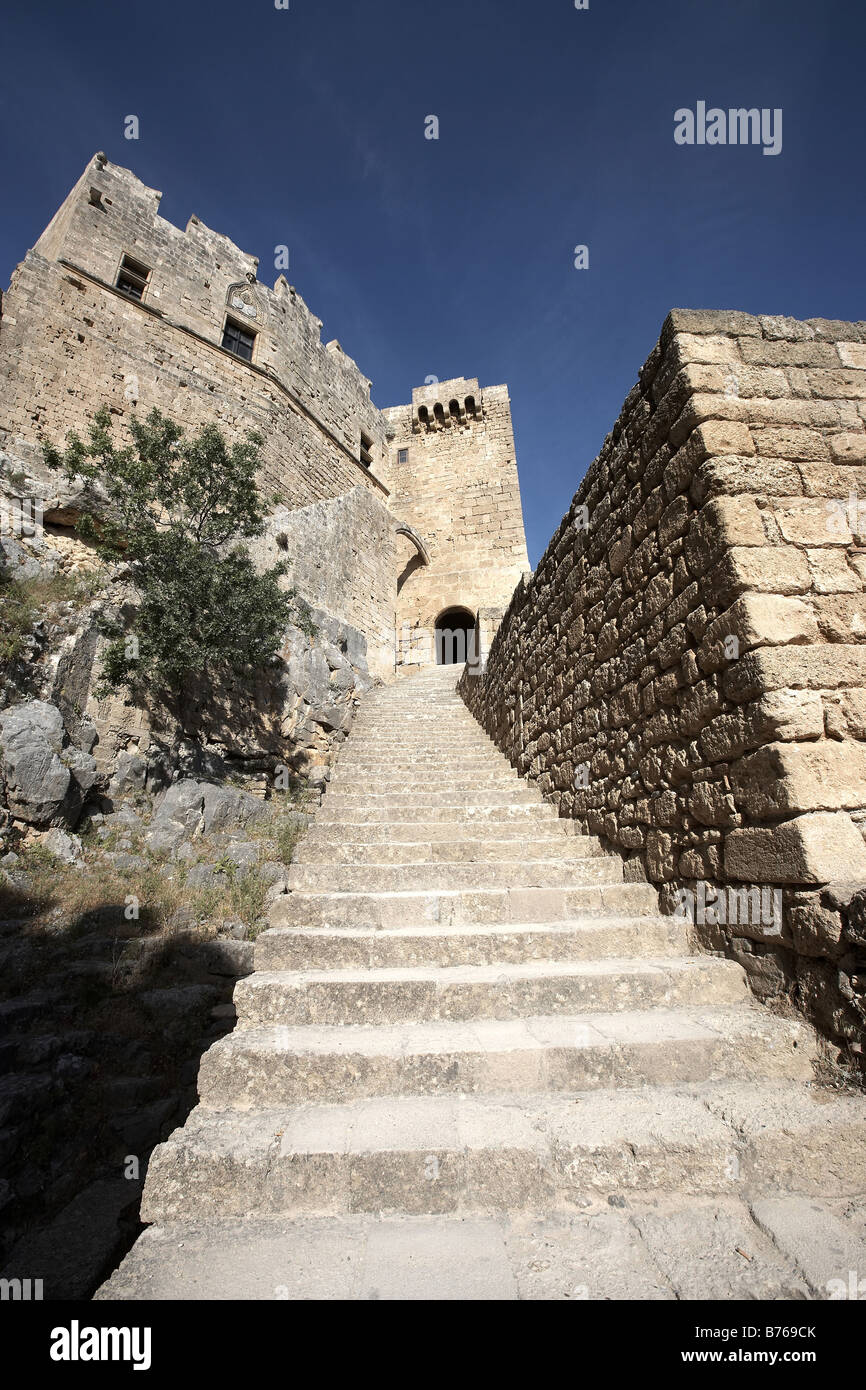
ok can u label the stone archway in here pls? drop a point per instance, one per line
(456, 637)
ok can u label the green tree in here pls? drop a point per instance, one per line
(176, 511)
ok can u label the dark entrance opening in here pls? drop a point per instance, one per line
(455, 637)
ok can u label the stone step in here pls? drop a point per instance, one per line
(370, 756)
(275, 1065)
(419, 768)
(659, 1246)
(501, 905)
(338, 798)
(420, 785)
(427, 1154)
(488, 831)
(419, 994)
(429, 877)
(427, 717)
(333, 813)
(438, 743)
(297, 948)
(333, 851)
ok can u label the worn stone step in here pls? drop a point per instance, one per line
(417, 994)
(469, 815)
(658, 1246)
(407, 757)
(426, 1154)
(442, 742)
(298, 948)
(430, 877)
(419, 772)
(488, 830)
(406, 909)
(333, 851)
(339, 798)
(420, 784)
(277, 1065)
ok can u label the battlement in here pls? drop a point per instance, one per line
(388, 516)
(204, 281)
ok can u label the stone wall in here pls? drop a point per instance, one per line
(685, 673)
(342, 553)
(458, 490)
(70, 341)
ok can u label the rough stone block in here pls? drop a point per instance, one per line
(784, 778)
(815, 848)
(777, 569)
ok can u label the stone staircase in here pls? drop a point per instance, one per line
(473, 1062)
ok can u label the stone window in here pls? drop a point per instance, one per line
(238, 340)
(132, 277)
(402, 455)
(366, 449)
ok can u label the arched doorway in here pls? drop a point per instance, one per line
(455, 637)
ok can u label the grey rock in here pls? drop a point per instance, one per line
(126, 862)
(66, 848)
(129, 775)
(31, 562)
(202, 876)
(182, 804)
(228, 807)
(124, 818)
(165, 837)
(38, 781)
(243, 853)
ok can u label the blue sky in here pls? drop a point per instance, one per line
(455, 257)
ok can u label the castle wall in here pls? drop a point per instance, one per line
(72, 341)
(458, 489)
(685, 673)
(342, 557)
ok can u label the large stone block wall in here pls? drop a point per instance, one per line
(458, 490)
(685, 673)
(342, 553)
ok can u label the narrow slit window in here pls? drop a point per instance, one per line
(238, 340)
(366, 450)
(132, 278)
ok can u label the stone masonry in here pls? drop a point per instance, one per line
(76, 333)
(473, 1062)
(685, 673)
(456, 486)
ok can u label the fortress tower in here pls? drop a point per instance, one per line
(390, 520)
(454, 486)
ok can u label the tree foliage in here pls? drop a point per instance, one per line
(176, 512)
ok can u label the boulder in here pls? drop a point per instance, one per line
(229, 808)
(46, 783)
